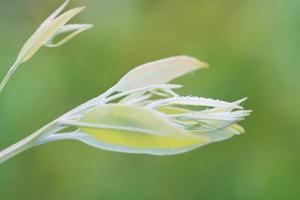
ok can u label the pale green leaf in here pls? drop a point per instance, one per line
(74, 30)
(222, 134)
(44, 33)
(56, 12)
(158, 72)
(135, 130)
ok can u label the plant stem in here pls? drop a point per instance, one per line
(53, 127)
(9, 74)
(34, 139)
(25, 143)
(15, 149)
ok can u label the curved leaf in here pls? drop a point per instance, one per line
(136, 130)
(158, 72)
(72, 29)
(44, 33)
(222, 134)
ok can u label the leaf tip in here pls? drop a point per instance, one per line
(79, 9)
(198, 63)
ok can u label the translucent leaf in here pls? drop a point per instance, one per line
(158, 72)
(135, 130)
(222, 134)
(132, 97)
(74, 30)
(44, 33)
(147, 88)
(56, 12)
(219, 135)
(222, 116)
(172, 110)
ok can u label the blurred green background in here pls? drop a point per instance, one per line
(253, 49)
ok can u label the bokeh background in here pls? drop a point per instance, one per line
(253, 49)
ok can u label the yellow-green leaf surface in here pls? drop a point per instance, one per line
(137, 130)
(159, 72)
